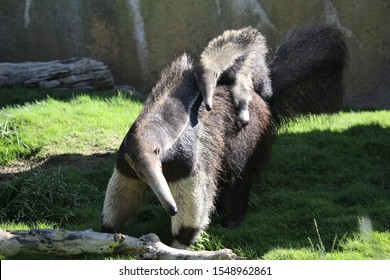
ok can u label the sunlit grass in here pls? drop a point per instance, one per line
(83, 124)
(368, 246)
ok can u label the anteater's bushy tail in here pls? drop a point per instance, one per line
(307, 72)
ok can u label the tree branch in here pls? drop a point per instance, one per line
(60, 242)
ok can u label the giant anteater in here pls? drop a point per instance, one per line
(195, 159)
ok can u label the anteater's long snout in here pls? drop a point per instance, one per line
(152, 175)
(160, 187)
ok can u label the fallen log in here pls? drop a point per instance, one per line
(74, 73)
(60, 242)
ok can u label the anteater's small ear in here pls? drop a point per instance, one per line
(157, 151)
(129, 160)
(198, 82)
(196, 77)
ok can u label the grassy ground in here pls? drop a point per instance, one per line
(326, 194)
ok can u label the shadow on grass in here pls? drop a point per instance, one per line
(335, 178)
(64, 189)
(68, 190)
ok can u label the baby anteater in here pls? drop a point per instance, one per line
(236, 58)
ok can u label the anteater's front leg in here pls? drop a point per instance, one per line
(124, 196)
(194, 198)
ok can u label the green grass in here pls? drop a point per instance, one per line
(325, 195)
(369, 246)
(83, 124)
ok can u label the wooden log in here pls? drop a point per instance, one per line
(60, 242)
(74, 73)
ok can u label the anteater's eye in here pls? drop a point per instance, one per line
(157, 151)
(129, 160)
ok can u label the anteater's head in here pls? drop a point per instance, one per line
(206, 79)
(144, 158)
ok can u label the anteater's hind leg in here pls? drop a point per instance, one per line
(233, 200)
(242, 96)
